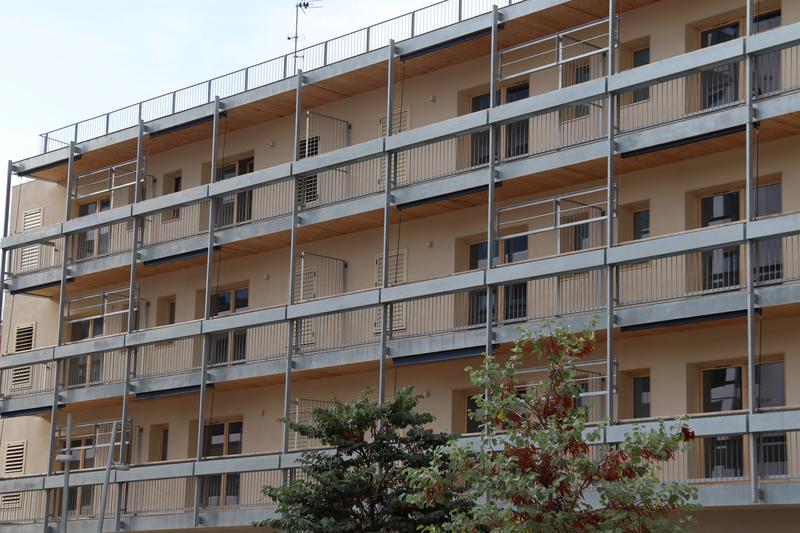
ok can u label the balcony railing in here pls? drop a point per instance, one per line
(418, 22)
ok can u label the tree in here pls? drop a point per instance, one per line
(542, 473)
(359, 484)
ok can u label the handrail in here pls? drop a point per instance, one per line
(420, 21)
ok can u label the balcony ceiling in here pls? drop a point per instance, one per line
(538, 24)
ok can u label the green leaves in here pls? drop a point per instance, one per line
(360, 485)
(539, 469)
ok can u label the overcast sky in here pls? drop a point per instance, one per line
(62, 62)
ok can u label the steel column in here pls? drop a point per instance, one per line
(750, 256)
(212, 209)
(107, 479)
(490, 192)
(292, 324)
(65, 488)
(4, 253)
(611, 381)
(386, 323)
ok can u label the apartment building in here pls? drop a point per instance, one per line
(182, 272)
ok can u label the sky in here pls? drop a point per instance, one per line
(62, 62)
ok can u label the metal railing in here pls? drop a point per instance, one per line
(175, 223)
(98, 314)
(567, 50)
(574, 221)
(107, 240)
(340, 183)
(337, 331)
(418, 22)
(441, 158)
(777, 259)
(303, 414)
(28, 380)
(691, 94)
(36, 257)
(26, 507)
(93, 369)
(168, 357)
(681, 276)
(319, 276)
(117, 182)
(91, 443)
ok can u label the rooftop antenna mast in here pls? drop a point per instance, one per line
(304, 6)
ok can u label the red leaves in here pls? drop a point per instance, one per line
(687, 434)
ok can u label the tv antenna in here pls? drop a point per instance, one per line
(304, 6)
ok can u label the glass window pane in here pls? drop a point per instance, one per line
(641, 397)
(241, 298)
(641, 224)
(214, 440)
(221, 303)
(234, 438)
(770, 385)
(722, 389)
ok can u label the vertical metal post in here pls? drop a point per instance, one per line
(750, 256)
(5, 254)
(107, 479)
(386, 324)
(460, 10)
(292, 325)
(611, 380)
(490, 201)
(65, 488)
(212, 205)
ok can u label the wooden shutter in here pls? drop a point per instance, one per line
(398, 266)
(400, 123)
(15, 457)
(30, 255)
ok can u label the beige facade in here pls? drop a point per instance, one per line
(702, 265)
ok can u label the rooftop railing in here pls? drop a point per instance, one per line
(417, 22)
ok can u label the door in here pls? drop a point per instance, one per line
(722, 391)
(516, 133)
(769, 252)
(479, 141)
(83, 369)
(719, 85)
(720, 267)
(515, 295)
(237, 207)
(477, 307)
(80, 499)
(222, 439)
(93, 242)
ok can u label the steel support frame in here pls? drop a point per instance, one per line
(750, 255)
(61, 323)
(611, 378)
(293, 326)
(491, 215)
(4, 253)
(212, 210)
(130, 352)
(386, 309)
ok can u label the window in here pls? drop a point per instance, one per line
(473, 423)
(80, 499)
(640, 224)
(221, 439)
(769, 252)
(479, 141)
(229, 300)
(173, 182)
(581, 73)
(235, 208)
(514, 304)
(83, 369)
(93, 242)
(767, 66)
(641, 396)
(307, 186)
(719, 85)
(516, 133)
(770, 391)
(640, 58)
(721, 265)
